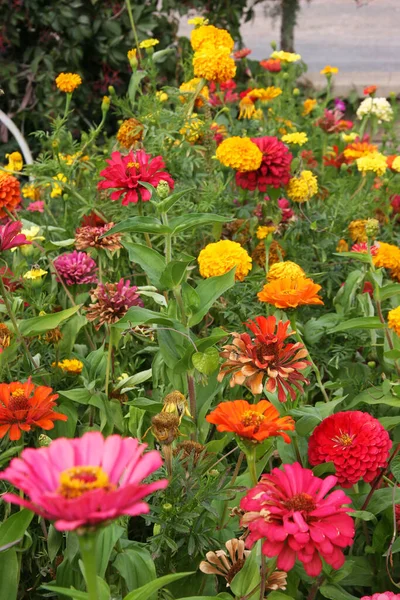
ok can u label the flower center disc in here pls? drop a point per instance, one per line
(300, 502)
(252, 417)
(78, 480)
(133, 165)
(18, 400)
(344, 439)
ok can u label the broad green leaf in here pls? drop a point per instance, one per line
(134, 82)
(141, 316)
(37, 325)
(151, 261)
(165, 205)
(358, 323)
(15, 526)
(388, 291)
(364, 515)
(9, 453)
(279, 596)
(395, 468)
(374, 395)
(389, 422)
(209, 290)
(381, 500)
(9, 575)
(140, 225)
(54, 541)
(106, 541)
(362, 257)
(324, 468)
(179, 224)
(392, 354)
(145, 591)
(137, 568)
(206, 362)
(69, 592)
(335, 592)
(174, 274)
(190, 297)
(248, 576)
(80, 395)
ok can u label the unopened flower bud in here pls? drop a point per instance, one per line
(163, 189)
(214, 472)
(344, 167)
(285, 76)
(273, 45)
(167, 507)
(105, 105)
(371, 364)
(296, 92)
(372, 228)
(44, 440)
(157, 529)
(111, 91)
(132, 57)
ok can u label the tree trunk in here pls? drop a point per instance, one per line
(289, 10)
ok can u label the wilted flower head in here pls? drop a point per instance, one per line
(110, 301)
(90, 237)
(76, 268)
(333, 121)
(227, 566)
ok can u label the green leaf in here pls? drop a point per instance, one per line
(279, 596)
(151, 261)
(106, 541)
(358, 323)
(324, 468)
(364, 515)
(139, 225)
(395, 468)
(362, 257)
(381, 500)
(174, 274)
(80, 395)
(10, 452)
(54, 541)
(389, 422)
(179, 224)
(206, 362)
(69, 592)
(374, 395)
(190, 297)
(248, 576)
(14, 527)
(392, 354)
(210, 290)
(141, 316)
(165, 205)
(335, 592)
(388, 291)
(134, 82)
(144, 592)
(136, 566)
(9, 575)
(37, 325)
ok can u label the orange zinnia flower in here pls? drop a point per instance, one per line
(10, 195)
(24, 406)
(256, 422)
(290, 293)
(358, 149)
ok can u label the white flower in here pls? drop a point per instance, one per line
(379, 107)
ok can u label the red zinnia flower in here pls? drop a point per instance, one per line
(241, 53)
(92, 220)
(266, 355)
(10, 236)
(332, 121)
(290, 510)
(24, 406)
(395, 204)
(370, 90)
(362, 248)
(334, 158)
(309, 158)
(368, 289)
(274, 169)
(125, 173)
(356, 443)
(273, 65)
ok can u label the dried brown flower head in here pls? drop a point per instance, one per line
(176, 403)
(5, 336)
(223, 564)
(111, 301)
(188, 449)
(53, 336)
(165, 427)
(276, 253)
(90, 237)
(237, 231)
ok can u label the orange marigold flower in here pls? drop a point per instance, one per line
(10, 195)
(131, 131)
(342, 246)
(208, 35)
(256, 422)
(388, 257)
(68, 82)
(357, 230)
(24, 406)
(290, 293)
(358, 149)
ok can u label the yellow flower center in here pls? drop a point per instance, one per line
(18, 393)
(252, 417)
(344, 439)
(78, 480)
(300, 502)
(133, 165)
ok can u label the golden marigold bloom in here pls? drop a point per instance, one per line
(31, 192)
(211, 36)
(56, 187)
(264, 230)
(24, 406)
(357, 230)
(265, 94)
(375, 162)
(189, 87)
(5, 337)
(247, 108)
(10, 196)
(198, 21)
(72, 366)
(149, 43)
(358, 149)
(394, 320)
(15, 162)
(213, 64)
(130, 131)
(240, 154)
(342, 246)
(34, 274)
(256, 422)
(285, 270)
(290, 293)
(283, 56)
(302, 188)
(388, 257)
(161, 96)
(298, 138)
(396, 164)
(68, 82)
(328, 70)
(132, 54)
(220, 257)
(308, 106)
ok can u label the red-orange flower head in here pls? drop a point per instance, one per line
(24, 406)
(256, 422)
(125, 174)
(268, 356)
(10, 195)
(274, 169)
(356, 443)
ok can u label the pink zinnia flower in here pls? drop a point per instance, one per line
(332, 121)
(274, 169)
(226, 93)
(76, 267)
(287, 212)
(291, 511)
(37, 206)
(86, 481)
(362, 248)
(382, 596)
(111, 301)
(125, 173)
(10, 236)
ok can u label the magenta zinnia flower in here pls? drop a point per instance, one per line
(37, 206)
(362, 248)
(86, 481)
(10, 236)
(111, 301)
(125, 174)
(291, 511)
(274, 169)
(382, 596)
(76, 267)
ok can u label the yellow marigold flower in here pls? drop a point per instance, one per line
(211, 36)
(342, 246)
(213, 64)
(161, 96)
(190, 87)
(240, 154)
(132, 54)
(265, 230)
(388, 257)
(396, 164)
(31, 192)
(68, 82)
(265, 94)
(34, 274)
(220, 257)
(285, 270)
(130, 131)
(328, 70)
(394, 320)
(246, 108)
(192, 129)
(349, 137)
(298, 138)
(73, 366)
(357, 230)
(198, 21)
(149, 43)
(375, 162)
(69, 159)
(57, 189)
(283, 56)
(15, 162)
(302, 188)
(308, 106)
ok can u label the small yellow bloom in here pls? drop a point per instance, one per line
(31, 192)
(396, 164)
(298, 138)
(257, 115)
(342, 246)
(285, 270)
(375, 162)
(265, 230)
(265, 94)
(73, 366)
(308, 106)
(349, 137)
(246, 108)
(394, 320)
(68, 82)
(198, 21)
(31, 234)
(357, 230)
(34, 274)
(162, 96)
(132, 54)
(57, 189)
(15, 162)
(283, 56)
(192, 129)
(149, 43)
(302, 188)
(329, 71)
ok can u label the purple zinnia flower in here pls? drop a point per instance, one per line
(340, 104)
(76, 267)
(111, 301)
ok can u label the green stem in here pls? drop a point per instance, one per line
(192, 402)
(193, 99)
(251, 463)
(168, 239)
(108, 366)
(67, 103)
(87, 545)
(146, 235)
(133, 26)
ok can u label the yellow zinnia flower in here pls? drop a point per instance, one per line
(265, 230)
(57, 189)
(220, 257)
(283, 56)
(394, 320)
(149, 43)
(349, 137)
(198, 21)
(298, 138)
(302, 188)
(265, 94)
(308, 105)
(34, 274)
(328, 70)
(31, 192)
(68, 82)
(240, 154)
(161, 96)
(73, 366)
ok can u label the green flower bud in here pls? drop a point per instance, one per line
(105, 105)
(371, 364)
(44, 440)
(167, 507)
(296, 92)
(273, 45)
(372, 228)
(163, 189)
